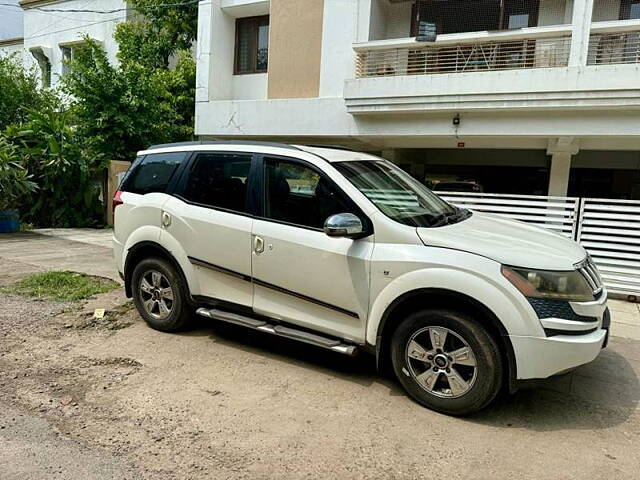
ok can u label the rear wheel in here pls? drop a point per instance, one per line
(160, 295)
(447, 361)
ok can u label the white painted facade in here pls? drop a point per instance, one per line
(13, 46)
(578, 106)
(51, 31)
(47, 33)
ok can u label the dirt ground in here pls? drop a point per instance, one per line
(114, 400)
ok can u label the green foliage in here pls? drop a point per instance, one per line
(174, 26)
(122, 109)
(62, 286)
(15, 182)
(67, 174)
(19, 92)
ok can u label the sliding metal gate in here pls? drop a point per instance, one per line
(608, 229)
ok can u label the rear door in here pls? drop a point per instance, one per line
(144, 192)
(210, 218)
(300, 274)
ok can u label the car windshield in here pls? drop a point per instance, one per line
(398, 195)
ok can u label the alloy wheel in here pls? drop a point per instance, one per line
(441, 362)
(156, 294)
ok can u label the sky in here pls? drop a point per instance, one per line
(10, 20)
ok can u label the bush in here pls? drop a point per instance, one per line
(15, 182)
(67, 175)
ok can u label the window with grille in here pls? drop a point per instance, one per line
(252, 45)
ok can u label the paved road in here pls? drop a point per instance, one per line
(89, 253)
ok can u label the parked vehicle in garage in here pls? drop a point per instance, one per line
(345, 251)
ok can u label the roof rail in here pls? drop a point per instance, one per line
(223, 142)
(326, 145)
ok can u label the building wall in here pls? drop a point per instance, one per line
(13, 47)
(295, 42)
(49, 30)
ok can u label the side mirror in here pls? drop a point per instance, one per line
(343, 225)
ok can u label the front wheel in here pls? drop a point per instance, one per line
(447, 361)
(159, 295)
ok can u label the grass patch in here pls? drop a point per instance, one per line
(62, 286)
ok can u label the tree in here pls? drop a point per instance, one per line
(20, 92)
(122, 109)
(159, 32)
(150, 96)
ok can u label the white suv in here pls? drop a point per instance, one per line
(345, 251)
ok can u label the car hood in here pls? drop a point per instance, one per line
(507, 241)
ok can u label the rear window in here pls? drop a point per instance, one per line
(153, 173)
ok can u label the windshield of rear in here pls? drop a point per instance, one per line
(398, 195)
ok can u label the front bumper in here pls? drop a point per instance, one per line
(542, 357)
(567, 344)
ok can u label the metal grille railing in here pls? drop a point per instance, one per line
(613, 48)
(554, 213)
(610, 231)
(464, 57)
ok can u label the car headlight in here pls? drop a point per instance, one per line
(570, 285)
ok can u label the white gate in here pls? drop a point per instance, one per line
(610, 231)
(559, 214)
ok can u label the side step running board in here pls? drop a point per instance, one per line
(288, 332)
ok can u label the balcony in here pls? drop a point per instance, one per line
(536, 47)
(615, 42)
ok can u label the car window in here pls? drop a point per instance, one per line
(300, 195)
(153, 173)
(218, 180)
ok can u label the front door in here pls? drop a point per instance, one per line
(210, 219)
(301, 275)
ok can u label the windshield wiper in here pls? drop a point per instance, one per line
(443, 219)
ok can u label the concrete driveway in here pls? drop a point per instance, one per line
(222, 402)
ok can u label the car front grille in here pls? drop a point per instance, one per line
(590, 273)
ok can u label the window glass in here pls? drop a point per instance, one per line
(519, 20)
(219, 180)
(396, 193)
(153, 174)
(252, 45)
(300, 195)
(262, 55)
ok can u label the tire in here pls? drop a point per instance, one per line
(156, 281)
(449, 379)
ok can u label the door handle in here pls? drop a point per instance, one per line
(258, 244)
(166, 219)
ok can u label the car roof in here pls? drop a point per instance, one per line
(329, 153)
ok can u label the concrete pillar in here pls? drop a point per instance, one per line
(559, 174)
(581, 29)
(561, 150)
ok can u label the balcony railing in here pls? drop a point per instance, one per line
(614, 42)
(529, 48)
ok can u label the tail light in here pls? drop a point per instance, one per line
(116, 201)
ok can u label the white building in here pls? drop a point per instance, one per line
(52, 29)
(522, 96)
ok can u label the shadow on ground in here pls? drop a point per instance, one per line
(595, 396)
